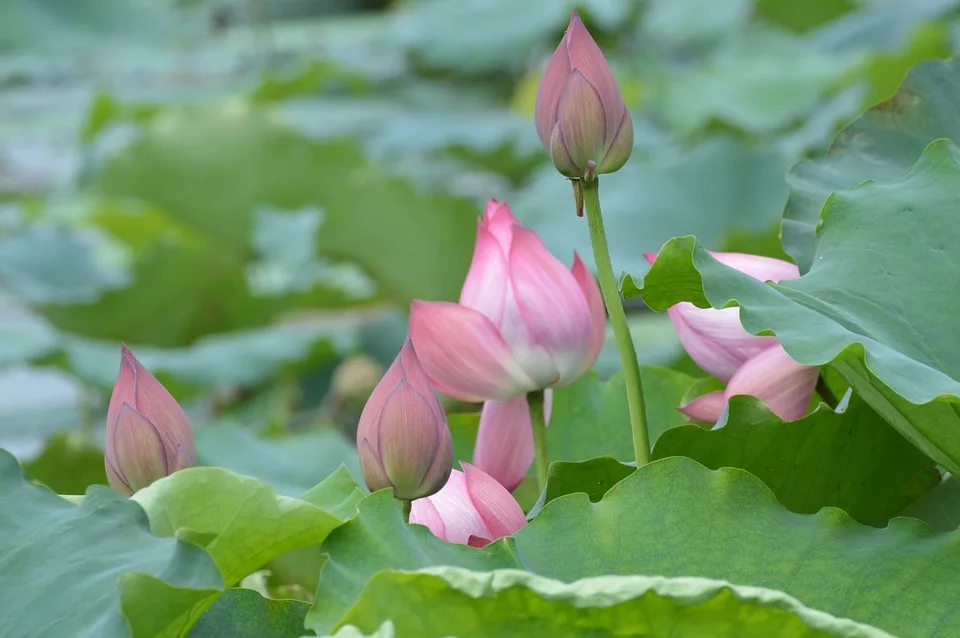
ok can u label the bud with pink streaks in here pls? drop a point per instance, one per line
(579, 111)
(148, 435)
(402, 437)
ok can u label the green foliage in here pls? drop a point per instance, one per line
(243, 613)
(509, 602)
(89, 566)
(853, 461)
(676, 518)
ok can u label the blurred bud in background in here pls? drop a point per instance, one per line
(471, 509)
(579, 111)
(402, 437)
(148, 435)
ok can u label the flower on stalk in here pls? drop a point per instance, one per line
(524, 322)
(748, 364)
(579, 112)
(402, 437)
(505, 448)
(148, 435)
(471, 509)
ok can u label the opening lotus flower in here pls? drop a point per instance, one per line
(579, 111)
(148, 434)
(524, 322)
(748, 364)
(471, 509)
(402, 437)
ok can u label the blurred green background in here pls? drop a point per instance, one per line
(250, 192)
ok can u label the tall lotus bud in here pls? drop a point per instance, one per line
(403, 438)
(579, 112)
(471, 509)
(524, 322)
(148, 435)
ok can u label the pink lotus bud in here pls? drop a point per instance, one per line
(504, 447)
(772, 376)
(524, 321)
(579, 112)
(402, 437)
(471, 509)
(758, 366)
(148, 435)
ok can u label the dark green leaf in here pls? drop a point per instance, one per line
(853, 461)
(243, 613)
(61, 565)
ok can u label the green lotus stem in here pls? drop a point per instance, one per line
(539, 424)
(611, 299)
(406, 510)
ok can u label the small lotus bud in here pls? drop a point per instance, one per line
(148, 435)
(579, 111)
(402, 437)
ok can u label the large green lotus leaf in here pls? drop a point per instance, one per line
(229, 182)
(244, 613)
(881, 145)
(940, 507)
(672, 518)
(715, 189)
(853, 461)
(61, 564)
(516, 603)
(593, 477)
(873, 304)
(241, 521)
(292, 464)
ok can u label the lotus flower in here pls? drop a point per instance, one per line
(524, 321)
(148, 435)
(747, 363)
(505, 448)
(579, 112)
(402, 437)
(471, 509)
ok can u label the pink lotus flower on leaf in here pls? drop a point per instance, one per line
(471, 509)
(148, 434)
(524, 322)
(505, 448)
(748, 364)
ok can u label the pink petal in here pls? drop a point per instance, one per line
(408, 440)
(773, 376)
(548, 92)
(586, 57)
(707, 407)
(651, 257)
(762, 268)
(373, 473)
(484, 288)
(591, 292)
(500, 512)
(156, 404)
(504, 447)
(463, 354)
(561, 156)
(140, 456)
(450, 513)
(499, 221)
(620, 148)
(124, 391)
(580, 115)
(552, 306)
(715, 339)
